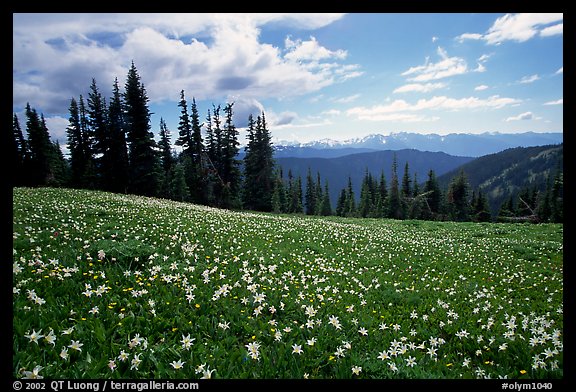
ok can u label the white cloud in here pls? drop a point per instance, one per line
(210, 56)
(560, 71)
(519, 28)
(434, 39)
(447, 66)
(400, 106)
(331, 112)
(418, 87)
(310, 51)
(557, 102)
(481, 87)
(472, 36)
(348, 99)
(552, 30)
(529, 79)
(523, 117)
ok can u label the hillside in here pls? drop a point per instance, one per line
(337, 170)
(120, 286)
(506, 173)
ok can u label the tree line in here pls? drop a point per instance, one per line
(112, 148)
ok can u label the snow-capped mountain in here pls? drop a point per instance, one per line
(459, 144)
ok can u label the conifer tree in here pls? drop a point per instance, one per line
(144, 165)
(231, 174)
(117, 177)
(310, 194)
(325, 204)
(41, 149)
(457, 198)
(98, 129)
(395, 210)
(434, 195)
(19, 159)
(342, 203)
(480, 208)
(350, 207)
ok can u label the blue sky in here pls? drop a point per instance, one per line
(315, 76)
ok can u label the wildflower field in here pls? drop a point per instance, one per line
(120, 286)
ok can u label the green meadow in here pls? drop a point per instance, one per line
(122, 286)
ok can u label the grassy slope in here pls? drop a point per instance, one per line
(457, 299)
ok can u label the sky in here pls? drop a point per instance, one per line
(315, 76)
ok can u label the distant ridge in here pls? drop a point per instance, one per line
(457, 144)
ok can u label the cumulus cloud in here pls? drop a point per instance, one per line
(523, 117)
(310, 50)
(419, 87)
(557, 102)
(401, 107)
(348, 99)
(529, 79)
(481, 87)
(447, 66)
(209, 55)
(519, 28)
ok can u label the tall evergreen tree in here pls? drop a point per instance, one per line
(167, 161)
(434, 195)
(480, 208)
(325, 204)
(165, 147)
(381, 197)
(366, 207)
(19, 159)
(319, 194)
(259, 178)
(231, 174)
(60, 166)
(117, 171)
(310, 194)
(144, 165)
(395, 210)
(196, 179)
(98, 125)
(41, 149)
(342, 203)
(457, 198)
(76, 146)
(184, 127)
(350, 208)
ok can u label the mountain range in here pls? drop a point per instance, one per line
(458, 144)
(498, 175)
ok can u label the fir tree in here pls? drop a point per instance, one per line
(19, 154)
(434, 195)
(325, 204)
(310, 194)
(259, 179)
(342, 203)
(394, 202)
(144, 165)
(231, 174)
(41, 149)
(116, 179)
(98, 125)
(350, 207)
(457, 198)
(480, 208)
